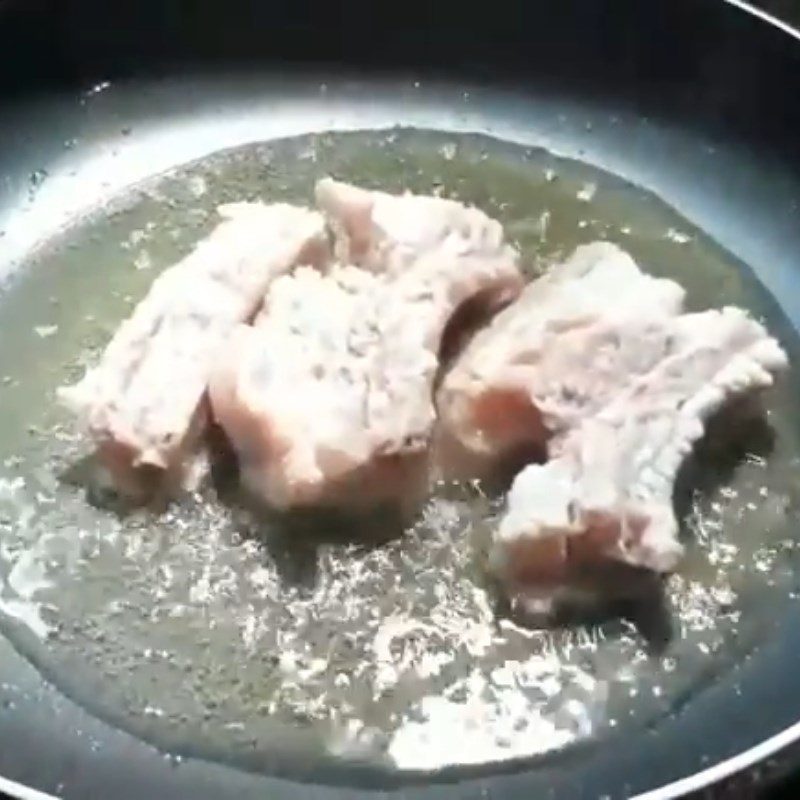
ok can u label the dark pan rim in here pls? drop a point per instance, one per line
(21, 792)
(680, 788)
(724, 769)
(747, 759)
(775, 744)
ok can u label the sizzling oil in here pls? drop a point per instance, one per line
(208, 631)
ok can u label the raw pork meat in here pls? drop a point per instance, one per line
(607, 491)
(387, 234)
(535, 368)
(143, 403)
(596, 366)
(328, 399)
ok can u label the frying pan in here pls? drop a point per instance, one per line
(696, 100)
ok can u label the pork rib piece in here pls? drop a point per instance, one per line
(143, 403)
(328, 400)
(532, 372)
(607, 491)
(595, 365)
(387, 234)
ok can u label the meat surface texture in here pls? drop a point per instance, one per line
(387, 234)
(144, 402)
(535, 369)
(328, 399)
(607, 492)
(596, 364)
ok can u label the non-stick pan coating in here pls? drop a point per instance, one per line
(695, 101)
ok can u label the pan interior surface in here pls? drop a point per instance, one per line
(278, 645)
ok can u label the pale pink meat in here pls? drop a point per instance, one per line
(387, 234)
(143, 403)
(327, 400)
(540, 363)
(606, 492)
(595, 364)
